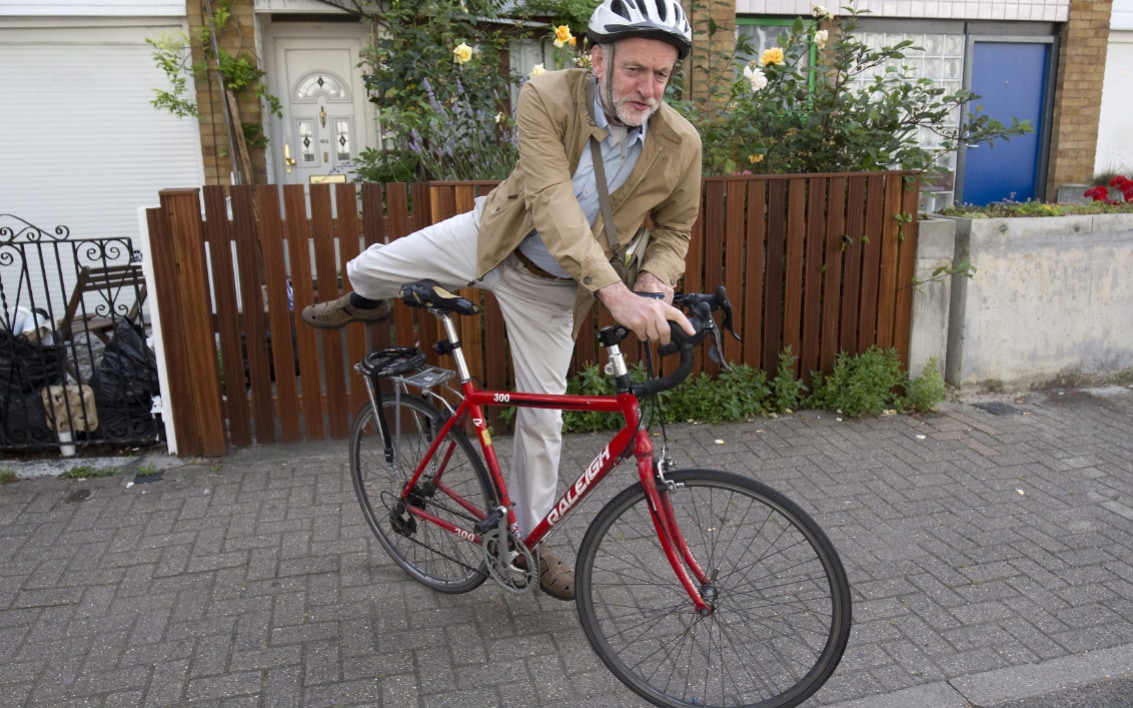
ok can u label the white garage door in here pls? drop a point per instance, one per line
(83, 147)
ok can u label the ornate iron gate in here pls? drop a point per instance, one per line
(75, 367)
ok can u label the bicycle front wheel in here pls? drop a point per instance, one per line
(455, 487)
(780, 598)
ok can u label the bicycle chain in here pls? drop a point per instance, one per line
(413, 539)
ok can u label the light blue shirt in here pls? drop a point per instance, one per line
(620, 151)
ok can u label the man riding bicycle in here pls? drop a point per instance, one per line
(538, 242)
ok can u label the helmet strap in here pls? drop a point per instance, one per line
(606, 85)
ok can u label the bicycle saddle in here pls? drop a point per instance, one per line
(432, 296)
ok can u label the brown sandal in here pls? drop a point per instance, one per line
(339, 313)
(555, 577)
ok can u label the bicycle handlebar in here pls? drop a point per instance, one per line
(699, 308)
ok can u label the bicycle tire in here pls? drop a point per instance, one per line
(427, 552)
(781, 616)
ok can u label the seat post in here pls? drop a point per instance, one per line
(454, 345)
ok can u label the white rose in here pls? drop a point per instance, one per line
(756, 77)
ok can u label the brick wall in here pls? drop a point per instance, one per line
(215, 144)
(1078, 94)
(710, 52)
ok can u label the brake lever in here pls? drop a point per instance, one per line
(716, 350)
(722, 303)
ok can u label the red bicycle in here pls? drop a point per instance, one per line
(696, 587)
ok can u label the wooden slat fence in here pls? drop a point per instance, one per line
(818, 263)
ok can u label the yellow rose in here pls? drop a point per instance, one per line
(774, 55)
(755, 159)
(462, 54)
(563, 36)
(538, 69)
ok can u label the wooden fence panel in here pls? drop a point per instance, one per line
(833, 277)
(871, 261)
(326, 274)
(349, 234)
(228, 328)
(169, 306)
(773, 290)
(906, 273)
(375, 230)
(748, 301)
(273, 276)
(810, 350)
(715, 217)
(887, 287)
(852, 259)
(821, 263)
(251, 314)
(794, 267)
(297, 234)
(182, 211)
(734, 232)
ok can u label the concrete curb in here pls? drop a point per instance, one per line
(993, 688)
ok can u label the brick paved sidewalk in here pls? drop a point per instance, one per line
(990, 553)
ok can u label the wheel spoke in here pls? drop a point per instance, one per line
(429, 553)
(781, 606)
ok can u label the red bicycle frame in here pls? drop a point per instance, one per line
(631, 439)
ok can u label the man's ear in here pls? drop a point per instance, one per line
(597, 59)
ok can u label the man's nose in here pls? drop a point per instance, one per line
(646, 87)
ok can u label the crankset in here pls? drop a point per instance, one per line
(509, 562)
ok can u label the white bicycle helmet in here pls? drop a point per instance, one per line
(654, 19)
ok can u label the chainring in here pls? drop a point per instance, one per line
(501, 557)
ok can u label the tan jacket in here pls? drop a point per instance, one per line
(554, 127)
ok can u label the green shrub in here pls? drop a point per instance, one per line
(861, 384)
(825, 99)
(786, 389)
(923, 393)
(591, 381)
(867, 383)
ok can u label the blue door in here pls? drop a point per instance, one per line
(1011, 80)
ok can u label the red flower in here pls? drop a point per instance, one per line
(1098, 194)
(1125, 185)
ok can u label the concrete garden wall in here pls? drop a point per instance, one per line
(1052, 297)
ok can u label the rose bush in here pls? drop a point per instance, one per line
(823, 100)
(1121, 183)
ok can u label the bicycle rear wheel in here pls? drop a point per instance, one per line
(781, 615)
(454, 487)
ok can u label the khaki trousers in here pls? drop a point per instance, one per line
(538, 314)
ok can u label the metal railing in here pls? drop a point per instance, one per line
(75, 367)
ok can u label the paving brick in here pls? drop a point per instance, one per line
(262, 585)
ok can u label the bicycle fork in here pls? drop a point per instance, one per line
(658, 491)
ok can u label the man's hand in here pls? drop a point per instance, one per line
(648, 283)
(646, 317)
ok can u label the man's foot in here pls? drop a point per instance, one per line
(341, 312)
(555, 577)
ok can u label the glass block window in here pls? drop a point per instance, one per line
(941, 62)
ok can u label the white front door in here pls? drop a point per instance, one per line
(327, 119)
